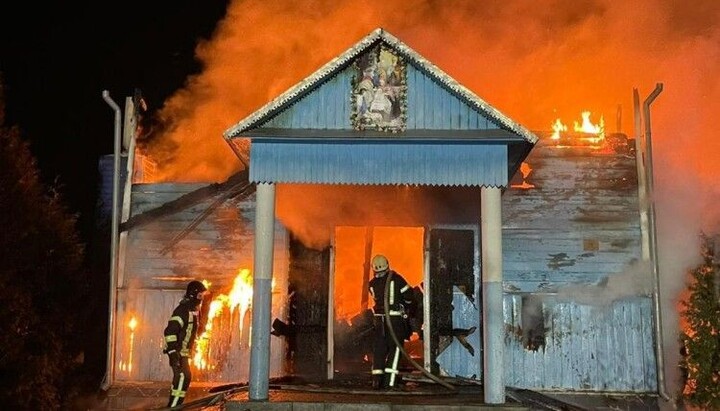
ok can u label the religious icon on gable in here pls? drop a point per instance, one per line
(379, 91)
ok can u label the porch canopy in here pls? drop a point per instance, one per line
(380, 114)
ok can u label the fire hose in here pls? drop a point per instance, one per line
(399, 344)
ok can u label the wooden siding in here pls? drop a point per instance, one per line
(573, 233)
(579, 223)
(326, 107)
(158, 263)
(430, 106)
(602, 348)
(456, 360)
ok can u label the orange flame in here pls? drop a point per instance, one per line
(557, 128)
(589, 128)
(525, 170)
(592, 133)
(132, 324)
(240, 298)
(123, 365)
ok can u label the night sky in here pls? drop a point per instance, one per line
(57, 58)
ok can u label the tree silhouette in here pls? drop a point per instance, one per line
(43, 285)
(700, 340)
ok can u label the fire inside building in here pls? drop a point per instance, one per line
(527, 251)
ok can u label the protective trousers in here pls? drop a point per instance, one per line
(386, 354)
(180, 383)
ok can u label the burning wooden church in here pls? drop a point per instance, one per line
(528, 249)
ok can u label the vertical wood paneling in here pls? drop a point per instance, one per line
(139, 354)
(427, 89)
(587, 347)
(414, 101)
(214, 250)
(429, 106)
(369, 163)
(326, 107)
(454, 114)
(456, 357)
(577, 220)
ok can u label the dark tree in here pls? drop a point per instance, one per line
(700, 340)
(43, 285)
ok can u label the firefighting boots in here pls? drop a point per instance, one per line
(378, 382)
(397, 382)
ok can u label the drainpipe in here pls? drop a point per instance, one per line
(653, 244)
(642, 187)
(108, 380)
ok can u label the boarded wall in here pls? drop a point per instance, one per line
(577, 300)
(159, 257)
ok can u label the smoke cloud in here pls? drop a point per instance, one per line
(533, 61)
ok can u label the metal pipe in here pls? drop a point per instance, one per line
(108, 380)
(653, 244)
(641, 174)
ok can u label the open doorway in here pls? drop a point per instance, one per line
(350, 336)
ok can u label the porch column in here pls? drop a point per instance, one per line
(492, 295)
(262, 297)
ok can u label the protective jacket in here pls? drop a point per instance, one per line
(400, 294)
(182, 327)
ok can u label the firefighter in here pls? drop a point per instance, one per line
(180, 333)
(386, 354)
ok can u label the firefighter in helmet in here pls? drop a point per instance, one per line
(386, 354)
(180, 333)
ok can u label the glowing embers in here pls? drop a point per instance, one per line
(584, 133)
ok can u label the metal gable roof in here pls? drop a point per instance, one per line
(337, 64)
(305, 135)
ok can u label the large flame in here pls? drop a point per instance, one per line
(237, 301)
(588, 127)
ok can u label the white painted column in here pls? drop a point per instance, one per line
(262, 292)
(492, 295)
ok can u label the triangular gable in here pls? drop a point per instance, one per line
(303, 106)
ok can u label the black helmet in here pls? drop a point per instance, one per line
(194, 288)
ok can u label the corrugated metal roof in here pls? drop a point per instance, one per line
(465, 163)
(337, 64)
